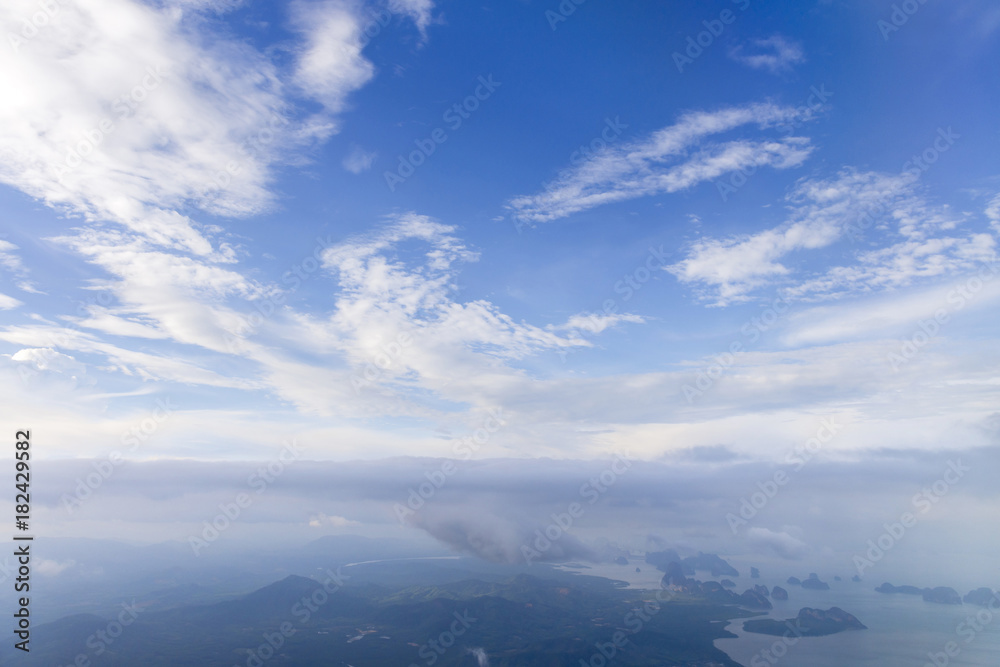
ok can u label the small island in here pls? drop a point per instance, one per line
(809, 623)
(753, 600)
(982, 597)
(905, 590)
(942, 595)
(939, 595)
(814, 583)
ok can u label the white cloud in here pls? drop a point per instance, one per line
(823, 212)
(359, 160)
(595, 323)
(52, 568)
(10, 260)
(899, 265)
(9, 302)
(320, 520)
(660, 163)
(782, 544)
(330, 65)
(456, 350)
(47, 359)
(893, 313)
(150, 117)
(133, 363)
(126, 113)
(775, 54)
(993, 213)
(418, 10)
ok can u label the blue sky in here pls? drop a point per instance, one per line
(239, 238)
(820, 104)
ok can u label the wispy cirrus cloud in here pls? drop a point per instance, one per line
(993, 213)
(134, 119)
(822, 211)
(9, 302)
(150, 118)
(394, 283)
(774, 54)
(10, 260)
(674, 158)
(459, 351)
(418, 10)
(135, 114)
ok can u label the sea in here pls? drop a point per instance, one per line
(903, 630)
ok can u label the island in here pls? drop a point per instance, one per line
(982, 597)
(753, 600)
(713, 591)
(939, 595)
(942, 595)
(814, 583)
(905, 590)
(711, 563)
(809, 623)
(779, 593)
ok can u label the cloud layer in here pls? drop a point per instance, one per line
(674, 158)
